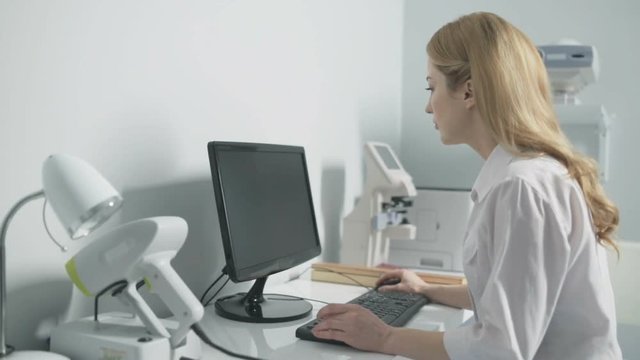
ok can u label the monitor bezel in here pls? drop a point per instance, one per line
(274, 265)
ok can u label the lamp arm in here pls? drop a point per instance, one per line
(3, 277)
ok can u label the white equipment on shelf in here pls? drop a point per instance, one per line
(380, 213)
(441, 217)
(571, 67)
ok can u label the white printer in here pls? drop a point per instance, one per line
(440, 216)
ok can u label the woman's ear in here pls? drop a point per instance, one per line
(469, 94)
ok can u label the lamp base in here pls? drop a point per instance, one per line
(34, 355)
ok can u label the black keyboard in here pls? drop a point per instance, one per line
(394, 308)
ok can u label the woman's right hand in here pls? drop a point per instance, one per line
(409, 281)
(451, 295)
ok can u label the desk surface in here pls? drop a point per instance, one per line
(278, 341)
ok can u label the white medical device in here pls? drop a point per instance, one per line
(139, 250)
(571, 67)
(441, 217)
(380, 213)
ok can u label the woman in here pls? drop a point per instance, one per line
(533, 254)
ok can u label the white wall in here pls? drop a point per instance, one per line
(611, 26)
(138, 88)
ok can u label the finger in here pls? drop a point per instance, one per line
(397, 287)
(394, 274)
(332, 310)
(329, 334)
(337, 310)
(334, 323)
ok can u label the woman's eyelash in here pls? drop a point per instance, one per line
(429, 89)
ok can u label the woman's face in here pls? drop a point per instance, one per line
(451, 115)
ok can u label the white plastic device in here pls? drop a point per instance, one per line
(380, 212)
(441, 217)
(571, 66)
(120, 336)
(139, 250)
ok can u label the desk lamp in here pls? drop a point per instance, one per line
(82, 200)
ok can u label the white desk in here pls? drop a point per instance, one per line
(278, 341)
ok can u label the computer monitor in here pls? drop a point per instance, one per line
(267, 223)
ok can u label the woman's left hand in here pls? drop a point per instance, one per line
(354, 325)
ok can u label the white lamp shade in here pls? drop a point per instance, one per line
(81, 198)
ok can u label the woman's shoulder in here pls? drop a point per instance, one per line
(539, 167)
(543, 174)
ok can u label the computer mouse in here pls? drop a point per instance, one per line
(390, 281)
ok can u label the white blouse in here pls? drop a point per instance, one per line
(538, 279)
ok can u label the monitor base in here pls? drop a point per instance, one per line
(274, 308)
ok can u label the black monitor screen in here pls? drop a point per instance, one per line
(265, 207)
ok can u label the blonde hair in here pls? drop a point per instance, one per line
(513, 96)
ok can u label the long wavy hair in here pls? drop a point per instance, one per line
(513, 95)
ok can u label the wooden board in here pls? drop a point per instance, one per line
(367, 276)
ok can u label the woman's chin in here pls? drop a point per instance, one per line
(448, 141)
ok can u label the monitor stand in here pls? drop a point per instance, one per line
(256, 307)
